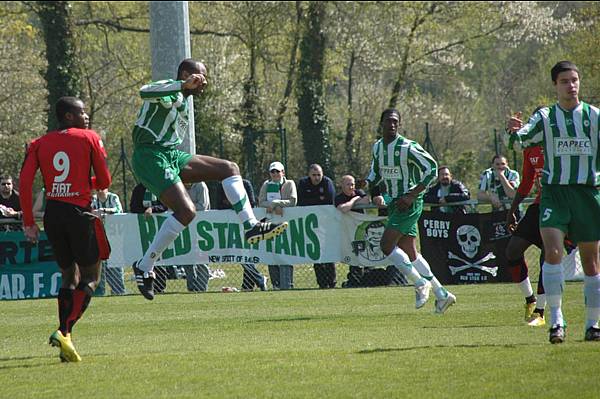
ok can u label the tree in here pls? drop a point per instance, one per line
(312, 114)
(63, 75)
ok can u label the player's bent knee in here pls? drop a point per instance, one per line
(185, 216)
(232, 168)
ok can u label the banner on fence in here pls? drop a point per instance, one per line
(27, 270)
(463, 249)
(316, 234)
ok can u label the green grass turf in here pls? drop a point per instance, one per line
(368, 343)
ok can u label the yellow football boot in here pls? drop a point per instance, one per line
(529, 308)
(536, 320)
(67, 350)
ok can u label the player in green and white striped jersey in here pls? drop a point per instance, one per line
(570, 201)
(406, 170)
(162, 168)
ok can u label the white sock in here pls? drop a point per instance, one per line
(553, 285)
(525, 287)
(167, 233)
(236, 194)
(424, 270)
(592, 300)
(541, 301)
(402, 262)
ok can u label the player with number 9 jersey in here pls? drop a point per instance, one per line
(65, 158)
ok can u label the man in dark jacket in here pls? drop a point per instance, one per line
(446, 191)
(316, 189)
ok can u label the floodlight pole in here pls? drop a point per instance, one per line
(170, 44)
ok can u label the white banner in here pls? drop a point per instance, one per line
(316, 234)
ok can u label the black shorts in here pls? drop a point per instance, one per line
(71, 232)
(529, 226)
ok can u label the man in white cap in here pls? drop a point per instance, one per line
(275, 194)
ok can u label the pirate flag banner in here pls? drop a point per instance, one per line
(465, 249)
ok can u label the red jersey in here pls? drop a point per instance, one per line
(66, 159)
(533, 163)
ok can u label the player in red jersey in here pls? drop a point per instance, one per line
(526, 233)
(66, 158)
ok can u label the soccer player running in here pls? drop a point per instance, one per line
(163, 169)
(66, 158)
(406, 169)
(525, 233)
(570, 200)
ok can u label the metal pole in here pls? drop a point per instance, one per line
(170, 44)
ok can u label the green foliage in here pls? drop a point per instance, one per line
(462, 67)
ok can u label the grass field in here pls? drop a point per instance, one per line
(342, 343)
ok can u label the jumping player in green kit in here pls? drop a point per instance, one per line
(163, 169)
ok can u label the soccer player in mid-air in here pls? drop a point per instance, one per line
(570, 200)
(161, 125)
(66, 158)
(406, 169)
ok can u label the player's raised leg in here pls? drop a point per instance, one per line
(205, 168)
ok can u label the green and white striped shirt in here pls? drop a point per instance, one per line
(401, 165)
(570, 140)
(163, 118)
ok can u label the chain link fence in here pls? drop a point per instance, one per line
(236, 277)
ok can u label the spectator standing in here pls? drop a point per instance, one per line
(277, 193)
(10, 207)
(144, 201)
(197, 276)
(446, 191)
(344, 202)
(317, 189)
(498, 184)
(107, 203)
(252, 276)
(66, 158)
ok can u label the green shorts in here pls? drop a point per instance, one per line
(574, 209)
(158, 168)
(405, 221)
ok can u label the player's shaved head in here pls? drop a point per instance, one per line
(191, 66)
(66, 105)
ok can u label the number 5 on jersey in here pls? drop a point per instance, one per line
(547, 214)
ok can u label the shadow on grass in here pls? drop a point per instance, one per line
(49, 361)
(471, 326)
(466, 346)
(282, 320)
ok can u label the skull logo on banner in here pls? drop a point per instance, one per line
(469, 239)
